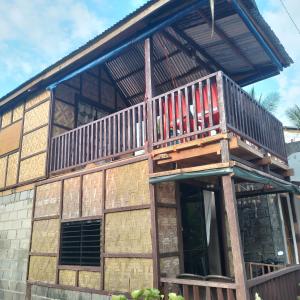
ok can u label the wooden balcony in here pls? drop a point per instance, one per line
(209, 106)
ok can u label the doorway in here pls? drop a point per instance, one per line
(195, 249)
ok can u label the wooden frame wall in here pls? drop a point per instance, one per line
(105, 211)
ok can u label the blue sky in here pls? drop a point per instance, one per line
(36, 33)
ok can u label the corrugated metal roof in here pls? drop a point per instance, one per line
(171, 62)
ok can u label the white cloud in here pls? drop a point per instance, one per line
(289, 80)
(36, 33)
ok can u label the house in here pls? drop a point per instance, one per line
(138, 160)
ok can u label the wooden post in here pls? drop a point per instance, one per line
(242, 292)
(148, 148)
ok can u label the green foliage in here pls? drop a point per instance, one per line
(293, 114)
(257, 297)
(147, 294)
(269, 102)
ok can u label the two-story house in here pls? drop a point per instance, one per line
(139, 161)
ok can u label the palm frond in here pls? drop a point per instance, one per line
(271, 101)
(293, 114)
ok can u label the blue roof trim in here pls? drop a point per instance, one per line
(258, 36)
(144, 35)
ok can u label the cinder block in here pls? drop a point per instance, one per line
(100, 297)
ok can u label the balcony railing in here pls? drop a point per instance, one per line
(204, 107)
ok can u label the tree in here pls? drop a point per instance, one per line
(293, 114)
(269, 102)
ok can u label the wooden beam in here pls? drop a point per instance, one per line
(188, 52)
(225, 37)
(199, 49)
(242, 292)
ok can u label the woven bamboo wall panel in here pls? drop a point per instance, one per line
(89, 280)
(92, 197)
(71, 198)
(64, 114)
(167, 230)
(166, 192)
(3, 164)
(127, 274)
(37, 99)
(35, 142)
(58, 130)
(12, 169)
(107, 94)
(10, 138)
(45, 236)
(6, 119)
(28, 172)
(169, 266)
(67, 277)
(18, 113)
(66, 93)
(127, 185)
(128, 232)
(42, 268)
(47, 200)
(37, 117)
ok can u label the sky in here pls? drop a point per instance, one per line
(35, 34)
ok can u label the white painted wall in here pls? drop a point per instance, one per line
(294, 162)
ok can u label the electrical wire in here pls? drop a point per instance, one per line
(290, 16)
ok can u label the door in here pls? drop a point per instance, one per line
(193, 230)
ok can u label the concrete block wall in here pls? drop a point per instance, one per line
(15, 228)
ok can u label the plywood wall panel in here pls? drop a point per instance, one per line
(45, 236)
(128, 232)
(37, 99)
(89, 280)
(127, 185)
(71, 198)
(47, 200)
(3, 165)
(127, 274)
(67, 277)
(37, 117)
(42, 269)
(10, 138)
(167, 230)
(33, 167)
(35, 142)
(92, 196)
(12, 169)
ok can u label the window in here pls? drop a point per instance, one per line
(80, 243)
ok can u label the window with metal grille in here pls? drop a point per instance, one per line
(80, 243)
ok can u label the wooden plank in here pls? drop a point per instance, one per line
(10, 138)
(192, 169)
(191, 144)
(234, 232)
(185, 291)
(212, 149)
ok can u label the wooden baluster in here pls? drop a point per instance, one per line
(220, 295)
(105, 137)
(186, 92)
(195, 114)
(140, 125)
(123, 132)
(230, 294)
(210, 107)
(167, 129)
(97, 140)
(119, 132)
(185, 291)
(196, 294)
(208, 293)
(161, 126)
(202, 106)
(109, 152)
(174, 117)
(100, 153)
(179, 95)
(134, 128)
(129, 128)
(152, 105)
